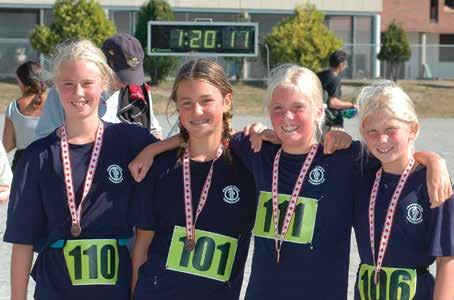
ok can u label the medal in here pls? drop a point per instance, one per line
(75, 230)
(70, 195)
(279, 237)
(190, 224)
(387, 226)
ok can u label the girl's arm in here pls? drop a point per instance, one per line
(140, 253)
(9, 141)
(334, 139)
(21, 262)
(438, 180)
(444, 283)
(142, 162)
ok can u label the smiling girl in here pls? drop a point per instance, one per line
(71, 192)
(398, 235)
(197, 203)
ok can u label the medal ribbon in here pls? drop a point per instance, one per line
(76, 214)
(387, 226)
(190, 223)
(279, 238)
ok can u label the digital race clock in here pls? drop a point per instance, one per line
(202, 38)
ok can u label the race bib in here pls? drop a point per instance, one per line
(302, 224)
(212, 256)
(394, 283)
(91, 262)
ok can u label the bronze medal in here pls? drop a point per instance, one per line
(189, 244)
(75, 230)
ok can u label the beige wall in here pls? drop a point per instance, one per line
(325, 5)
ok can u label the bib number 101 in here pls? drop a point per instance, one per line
(212, 256)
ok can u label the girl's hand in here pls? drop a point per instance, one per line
(141, 164)
(258, 133)
(439, 183)
(4, 193)
(336, 140)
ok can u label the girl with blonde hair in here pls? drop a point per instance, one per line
(71, 194)
(398, 234)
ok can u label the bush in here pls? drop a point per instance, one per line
(395, 49)
(303, 39)
(157, 67)
(73, 19)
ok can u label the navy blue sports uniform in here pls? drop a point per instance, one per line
(314, 257)
(418, 234)
(38, 215)
(214, 268)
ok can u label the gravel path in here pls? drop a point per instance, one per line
(436, 136)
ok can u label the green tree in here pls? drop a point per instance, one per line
(395, 48)
(73, 19)
(302, 39)
(155, 10)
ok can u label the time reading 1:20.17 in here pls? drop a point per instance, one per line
(209, 39)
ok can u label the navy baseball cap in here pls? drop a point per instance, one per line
(125, 56)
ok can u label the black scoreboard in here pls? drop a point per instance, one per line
(202, 38)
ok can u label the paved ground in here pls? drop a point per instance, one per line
(436, 135)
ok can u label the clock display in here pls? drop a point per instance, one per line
(202, 38)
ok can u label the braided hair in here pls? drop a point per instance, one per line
(29, 74)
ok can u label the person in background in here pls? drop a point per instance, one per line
(130, 103)
(22, 115)
(331, 83)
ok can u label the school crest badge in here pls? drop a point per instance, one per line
(115, 173)
(231, 194)
(414, 213)
(317, 175)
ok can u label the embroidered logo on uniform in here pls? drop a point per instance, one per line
(317, 175)
(115, 173)
(231, 194)
(414, 213)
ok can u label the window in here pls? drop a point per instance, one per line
(17, 24)
(446, 48)
(434, 11)
(449, 4)
(123, 21)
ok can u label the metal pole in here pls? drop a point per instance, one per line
(267, 61)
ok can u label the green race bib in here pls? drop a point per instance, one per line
(393, 284)
(212, 257)
(301, 229)
(91, 262)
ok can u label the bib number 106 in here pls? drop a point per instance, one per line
(393, 284)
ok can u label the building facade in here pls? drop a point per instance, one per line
(356, 22)
(430, 28)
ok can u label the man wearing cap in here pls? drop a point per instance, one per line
(132, 103)
(331, 83)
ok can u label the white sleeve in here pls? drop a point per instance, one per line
(6, 175)
(155, 127)
(52, 116)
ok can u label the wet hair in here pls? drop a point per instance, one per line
(336, 58)
(80, 49)
(30, 75)
(212, 73)
(305, 82)
(385, 96)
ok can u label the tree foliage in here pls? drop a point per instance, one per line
(73, 19)
(303, 39)
(395, 48)
(155, 10)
